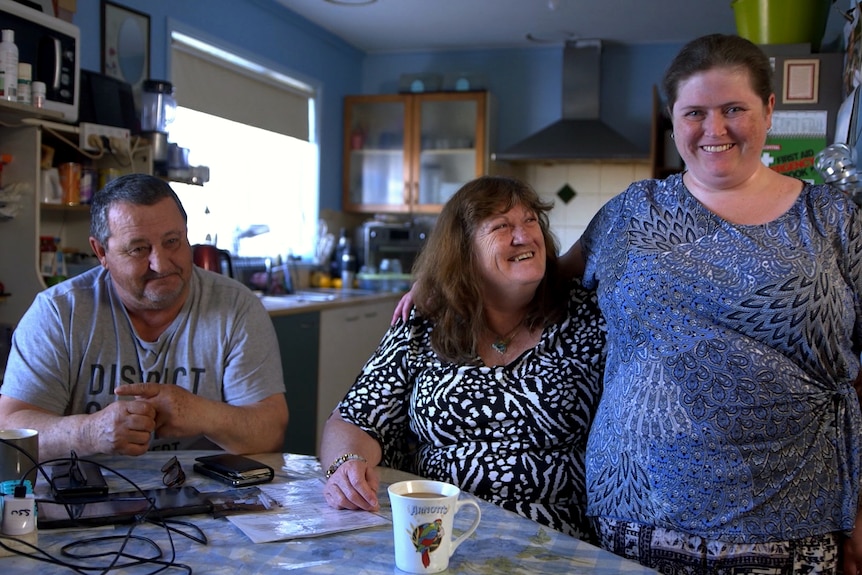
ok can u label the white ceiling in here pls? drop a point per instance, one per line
(427, 25)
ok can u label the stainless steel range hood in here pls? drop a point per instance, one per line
(580, 134)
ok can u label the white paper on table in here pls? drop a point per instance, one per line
(303, 513)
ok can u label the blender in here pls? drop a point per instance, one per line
(157, 112)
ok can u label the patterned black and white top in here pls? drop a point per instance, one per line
(513, 434)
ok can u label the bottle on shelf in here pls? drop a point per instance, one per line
(37, 93)
(357, 138)
(335, 264)
(25, 77)
(8, 66)
(348, 265)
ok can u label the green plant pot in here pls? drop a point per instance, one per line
(782, 21)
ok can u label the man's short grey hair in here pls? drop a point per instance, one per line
(136, 189)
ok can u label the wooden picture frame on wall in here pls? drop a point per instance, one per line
(801, 81)
(125, 44)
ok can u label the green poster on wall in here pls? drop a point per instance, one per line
(792, 143)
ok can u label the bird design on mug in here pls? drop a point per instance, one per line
(426, 538)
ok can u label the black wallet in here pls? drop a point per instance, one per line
(235, 470)
(78, 479)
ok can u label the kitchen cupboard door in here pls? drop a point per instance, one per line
(348, 337)
(408, 153)
(298, 336)
(376, 170)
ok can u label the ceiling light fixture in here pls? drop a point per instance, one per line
(351, 2)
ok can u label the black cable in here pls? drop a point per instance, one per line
(48, 558)
(198, 537)
(70, 550)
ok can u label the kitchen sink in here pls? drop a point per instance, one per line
(318, 295)
(342, 291)
(299, 297)
(312, 296)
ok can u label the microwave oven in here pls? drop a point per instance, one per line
(391, 240)
(52, 47)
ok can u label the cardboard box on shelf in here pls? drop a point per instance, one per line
(65, 9)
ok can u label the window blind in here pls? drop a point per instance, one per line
(212, 85)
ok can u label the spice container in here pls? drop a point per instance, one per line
(37, 94)
(107, 175)
(25, 75)
(88, 184)
(70, 182)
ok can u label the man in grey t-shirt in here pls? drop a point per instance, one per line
(147, 351)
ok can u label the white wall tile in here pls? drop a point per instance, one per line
(594, 184)
(643, 171)
(567, 235)
(616, 178)
(585, 179)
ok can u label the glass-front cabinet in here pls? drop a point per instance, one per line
(411, 152)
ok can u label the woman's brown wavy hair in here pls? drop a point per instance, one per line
(448, 288)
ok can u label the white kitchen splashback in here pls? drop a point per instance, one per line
(594, 183)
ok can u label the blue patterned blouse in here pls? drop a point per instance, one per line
(728, 408)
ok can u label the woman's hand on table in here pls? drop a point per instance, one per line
(353, 486)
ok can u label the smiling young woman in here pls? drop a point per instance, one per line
(729, 292)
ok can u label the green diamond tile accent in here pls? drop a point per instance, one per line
(566, 193)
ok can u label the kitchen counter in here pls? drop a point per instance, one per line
(319, 299)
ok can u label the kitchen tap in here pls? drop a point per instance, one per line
(285, 283)
(249, 232)
(267, 262)
(290, 283)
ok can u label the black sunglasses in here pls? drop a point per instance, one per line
(174, 476)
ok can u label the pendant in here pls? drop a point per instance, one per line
(500, 346)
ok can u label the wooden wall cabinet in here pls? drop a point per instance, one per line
(408, 153)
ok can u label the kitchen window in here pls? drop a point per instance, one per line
(253, 126)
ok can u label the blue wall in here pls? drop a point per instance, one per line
(258, 28)
(526, 84)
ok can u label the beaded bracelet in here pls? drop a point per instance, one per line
(341, 461)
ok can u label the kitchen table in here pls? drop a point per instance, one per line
(503, 543)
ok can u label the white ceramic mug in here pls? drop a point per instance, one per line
(13, 463)
(422, 517)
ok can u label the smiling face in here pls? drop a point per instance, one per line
(148, 255)
(509, 249)
(720, 125)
